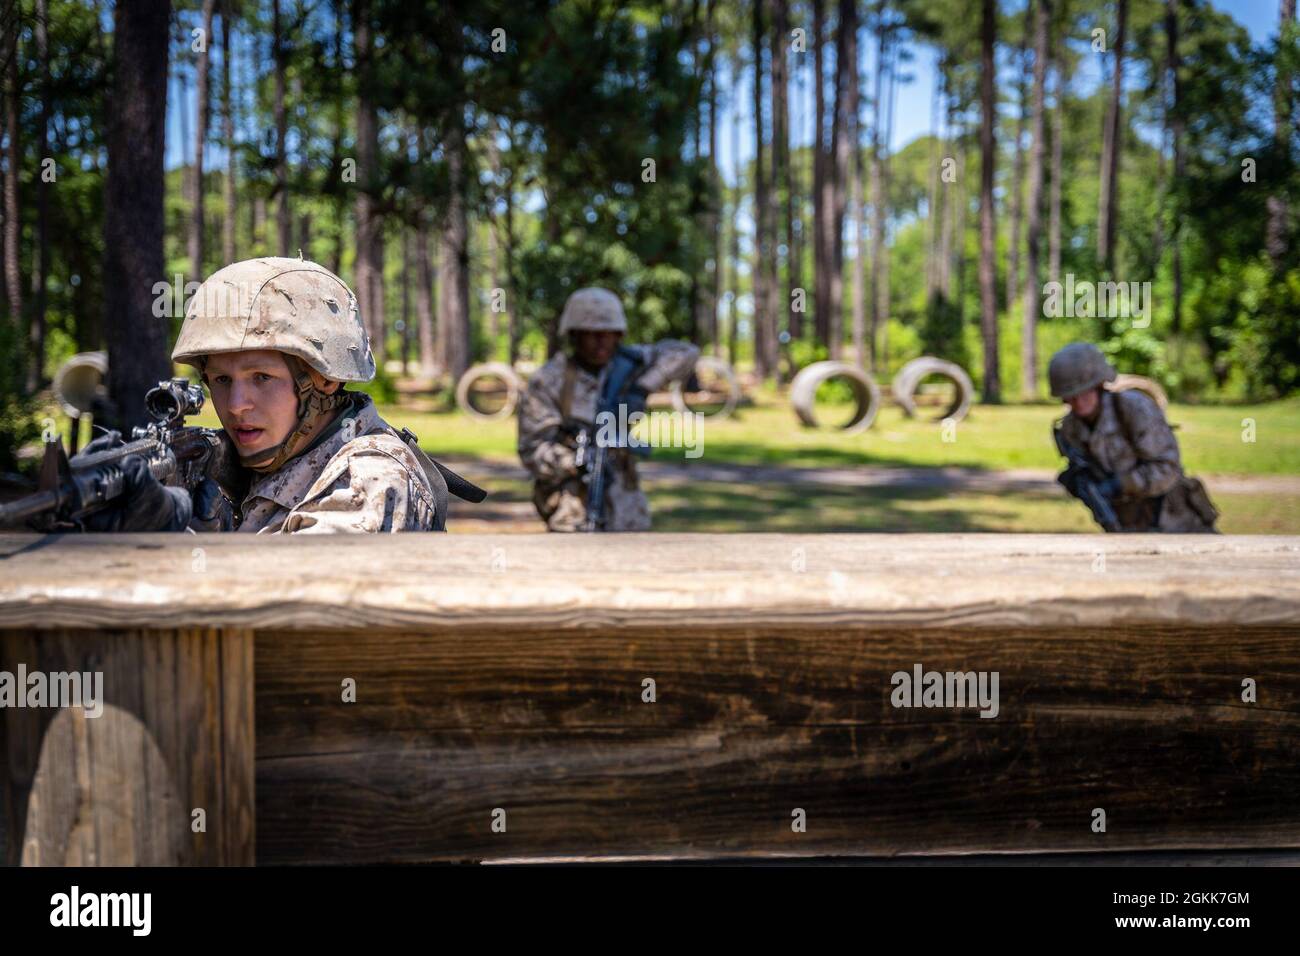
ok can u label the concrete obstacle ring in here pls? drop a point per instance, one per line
(910, 376)
(866, 393)
(79, 383)
(1141, 383)
(514, 384)
(731, 389)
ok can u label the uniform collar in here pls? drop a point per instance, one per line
(1106, 421)
(286, 485)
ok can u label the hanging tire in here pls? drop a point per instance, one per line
(910, 376)
(720, 368)
(866, 394)
(513, 384)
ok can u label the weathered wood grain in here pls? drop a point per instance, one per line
(507, 672)
(1148, 724)
(554, 681)
(119, 789)
(435, 582)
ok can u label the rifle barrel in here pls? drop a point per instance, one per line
(141, 446)
(26, 507)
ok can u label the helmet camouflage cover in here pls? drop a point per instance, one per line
(1076, 368)
(592, 309)
(287, 305)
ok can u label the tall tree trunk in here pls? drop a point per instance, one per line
(1029, 328)
(859, 220)
(406, 300)
(797, 239)
(822, 188)
(512, 324)
(877, 188)
(1018, 168)
(200, 141)
(734, 257)
(13, 228)
(494, 273)
(883, 302)
(228, 134)
(947, 207)
(1275, 232)
(1058, 139)
(933, 210)
(284, 219)
(453, 255)
(715, 185)
(846, 100)
(1111, 148)
(183, 116)
(369, 252)
(424, 298)
(133, 206)
(340, 132)
(780, 216)
(764, 333)
(41, 246)
(1176, 125)
(988, 244)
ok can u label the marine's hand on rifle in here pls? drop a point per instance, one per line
(1109, 488)
(145, 503)
(212, 509)
(110, 439)
(1069, 480)
(636, 398)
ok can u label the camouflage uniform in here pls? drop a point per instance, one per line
(370, 482)
(1131, 441)
(343, 468)
(548, 452)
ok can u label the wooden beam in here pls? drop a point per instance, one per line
(508, 673)
(434, 583)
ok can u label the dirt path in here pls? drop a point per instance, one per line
(954, 479)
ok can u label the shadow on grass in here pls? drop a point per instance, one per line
(718, 506)
(723, 451)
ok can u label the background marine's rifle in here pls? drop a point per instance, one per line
(72, 489)
(593, 453)
(1081, 480)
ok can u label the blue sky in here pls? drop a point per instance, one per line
(912, 112)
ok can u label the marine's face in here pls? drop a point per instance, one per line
(1085, 405)
(255, 397)
(594, 349)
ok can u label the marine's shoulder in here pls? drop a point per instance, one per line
(378, 449)
(551, 375)
(1135, 405)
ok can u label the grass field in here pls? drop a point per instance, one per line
(991, 438)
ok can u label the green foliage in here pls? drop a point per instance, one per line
(381, 388)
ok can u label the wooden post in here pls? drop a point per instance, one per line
(162, 776)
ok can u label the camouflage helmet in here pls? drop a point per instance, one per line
(596, 310)
(1076, 368)
(287, 305)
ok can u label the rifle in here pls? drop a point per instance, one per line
(1080, 479)
(593, 454)
(179, 455)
